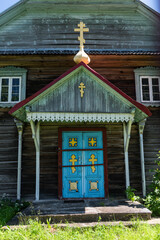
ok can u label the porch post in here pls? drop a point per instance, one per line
(127, 132)
(20, 131)
(141, 129)
(36, 136)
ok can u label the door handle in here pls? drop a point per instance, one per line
(79, 160)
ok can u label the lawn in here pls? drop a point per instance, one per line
(46, 232)
(9, 208)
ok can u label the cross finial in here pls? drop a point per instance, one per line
(81, 29)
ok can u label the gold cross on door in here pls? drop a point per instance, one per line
(73, 160)
(93, 159)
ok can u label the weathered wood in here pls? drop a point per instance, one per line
(46, 25)
(151, 143)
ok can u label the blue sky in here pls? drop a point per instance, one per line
(155, 4)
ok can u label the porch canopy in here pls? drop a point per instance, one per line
(79, 95)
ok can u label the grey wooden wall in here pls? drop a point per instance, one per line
(112, 26)
(8, 154)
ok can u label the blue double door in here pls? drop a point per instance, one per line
(82, 164)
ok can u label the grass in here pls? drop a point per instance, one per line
(36, 231)
(9, 208)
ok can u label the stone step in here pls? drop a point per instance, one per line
(84, 212)
(86, 218)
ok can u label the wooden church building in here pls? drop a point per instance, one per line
(79, 98)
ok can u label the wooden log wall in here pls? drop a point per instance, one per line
(8, 155)
(44, 69)
(151, 143)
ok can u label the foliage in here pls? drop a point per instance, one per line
(9, 208)
(131, 195)
(35, 230)
(152, 200)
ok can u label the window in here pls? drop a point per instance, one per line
(12, 85)
(10, 89)
(147, 82)
(150, 89)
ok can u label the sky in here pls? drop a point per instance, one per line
(4, 4)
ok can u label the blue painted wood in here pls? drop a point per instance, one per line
(85, 181)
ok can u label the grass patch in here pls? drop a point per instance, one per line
(37, 231)
(9, 208)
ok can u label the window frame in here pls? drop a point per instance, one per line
(10, 73)
(146, 72)
(10, 87)
(150, 88)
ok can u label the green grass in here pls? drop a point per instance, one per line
(36, 231)
(9, 208)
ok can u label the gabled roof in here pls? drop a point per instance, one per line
(41, 92)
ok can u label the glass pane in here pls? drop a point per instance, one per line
(15, 81)
(144, 81)
(155, 81)
(155, 89)
(4, 90)
(5, 81)
(146, 97)
(4, 97)
(15, 97)
(15, 89)
(156, 96)
(145, 91)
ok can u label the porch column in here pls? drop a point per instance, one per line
(141, 129)
(127, 131)
(19, 125)
(36, 137)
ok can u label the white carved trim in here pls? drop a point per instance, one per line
(80, 117)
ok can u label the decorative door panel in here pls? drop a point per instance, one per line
(94, 174)
(82, 164)
(72, 175)
(72, 140)
(93, 140)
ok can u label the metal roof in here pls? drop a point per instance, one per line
(74, 51)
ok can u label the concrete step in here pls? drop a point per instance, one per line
(85, 212)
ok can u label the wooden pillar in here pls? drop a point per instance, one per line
(141, 129)
(127, 131)
(36, 137)
(19, 165)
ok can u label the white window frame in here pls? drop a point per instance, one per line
(10, 88)
(146, 72)
(150, 88)
(10, 73)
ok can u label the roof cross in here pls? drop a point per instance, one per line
(81, 29)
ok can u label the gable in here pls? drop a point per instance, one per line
(115, 25)
(64, 95)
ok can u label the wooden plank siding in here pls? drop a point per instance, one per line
(151, 143)
(108, 30)
(8, 154)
